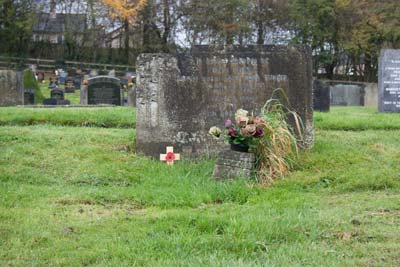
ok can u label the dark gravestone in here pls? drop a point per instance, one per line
(63, 102)
(57, 98)
(50, 102)
(321, 96)
(389, 81)
(179, 98)
(57, 94)
(77, 82)
(29, 96)
(104, 90)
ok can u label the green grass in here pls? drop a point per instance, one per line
(356, 119)
(108, 117)
(81, 197)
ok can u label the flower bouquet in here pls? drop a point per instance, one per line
(243, 133)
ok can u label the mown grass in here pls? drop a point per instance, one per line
(107, 117)
(356, 119)
(81, 196)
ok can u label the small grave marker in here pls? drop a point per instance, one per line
(170, 157)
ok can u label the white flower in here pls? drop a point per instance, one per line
(240, 114)
(215, 132)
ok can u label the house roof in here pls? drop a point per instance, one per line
(75, 23)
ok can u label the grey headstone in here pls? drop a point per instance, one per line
(389, 81)
(131, 96)
(347, 93)
(231, 164)
(321, 95)
(103, 90)
(179, 98)
(11, 88)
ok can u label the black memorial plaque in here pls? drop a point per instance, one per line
(104, 90)
(389, 81)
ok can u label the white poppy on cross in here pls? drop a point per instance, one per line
(170, 157)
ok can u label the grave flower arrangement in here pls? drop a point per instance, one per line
(274, 141)
(242, 133)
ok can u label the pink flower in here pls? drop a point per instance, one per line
(228, 123)
(249, 130)
(242, 120)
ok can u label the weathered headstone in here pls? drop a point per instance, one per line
(321, 96)
(131, 101)
(11, 88)
(347, 93)
(231, 164)
(29, 96)
(179, 98)
(102, 90)
(389, 81)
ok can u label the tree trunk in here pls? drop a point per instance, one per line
(126, 41)
(167, 26)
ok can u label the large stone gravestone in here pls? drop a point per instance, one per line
(347, 93)
(389, 81)
(179, 98)
(102, 90)
(321, 96)
(11, 88)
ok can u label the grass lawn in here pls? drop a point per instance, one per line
(106, 117)
(80, 196)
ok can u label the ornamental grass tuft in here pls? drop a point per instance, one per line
(278, 149)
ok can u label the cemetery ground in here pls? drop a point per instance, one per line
(74, 193)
